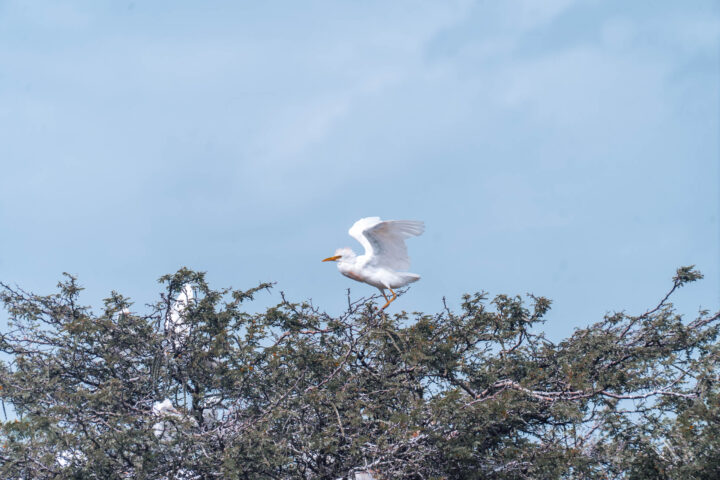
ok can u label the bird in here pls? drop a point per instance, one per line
(385, 262)
(165, 408)
(175, 324)
(163, 429)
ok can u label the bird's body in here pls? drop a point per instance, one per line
(166, 428)
(175, 324)
(385, 259)
(376, 276)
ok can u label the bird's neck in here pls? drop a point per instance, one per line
(348, 262)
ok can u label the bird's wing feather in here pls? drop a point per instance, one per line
(384, 242)
(357, 231)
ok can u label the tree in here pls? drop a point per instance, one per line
(295, 393)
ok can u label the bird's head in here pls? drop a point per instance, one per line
(340, 255)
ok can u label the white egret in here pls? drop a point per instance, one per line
(165, 429)
(164, 409)
(385, 261)
(175, 324)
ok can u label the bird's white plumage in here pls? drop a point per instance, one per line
(164, 408)
(175, 324)
(164, 429)
(385, 260)
(384, 242)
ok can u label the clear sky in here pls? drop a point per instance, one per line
(564, 148)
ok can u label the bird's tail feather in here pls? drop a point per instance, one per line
(411, 277)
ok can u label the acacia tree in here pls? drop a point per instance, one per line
(293, 392)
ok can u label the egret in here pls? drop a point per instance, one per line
(385, 261)
(162, 429)
(175, 324)
(165, 408)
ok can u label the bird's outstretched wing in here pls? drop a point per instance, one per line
(384, 242)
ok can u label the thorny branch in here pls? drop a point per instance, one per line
(295, 392)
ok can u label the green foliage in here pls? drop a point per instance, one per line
(295, 393)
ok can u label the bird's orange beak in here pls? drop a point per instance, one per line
(332, 259)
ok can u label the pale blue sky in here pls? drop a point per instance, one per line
(564, 148)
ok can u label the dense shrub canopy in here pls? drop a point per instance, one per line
(295, 393)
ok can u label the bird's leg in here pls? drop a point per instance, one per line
(387, 301)
(394, 296)
(383, 294)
